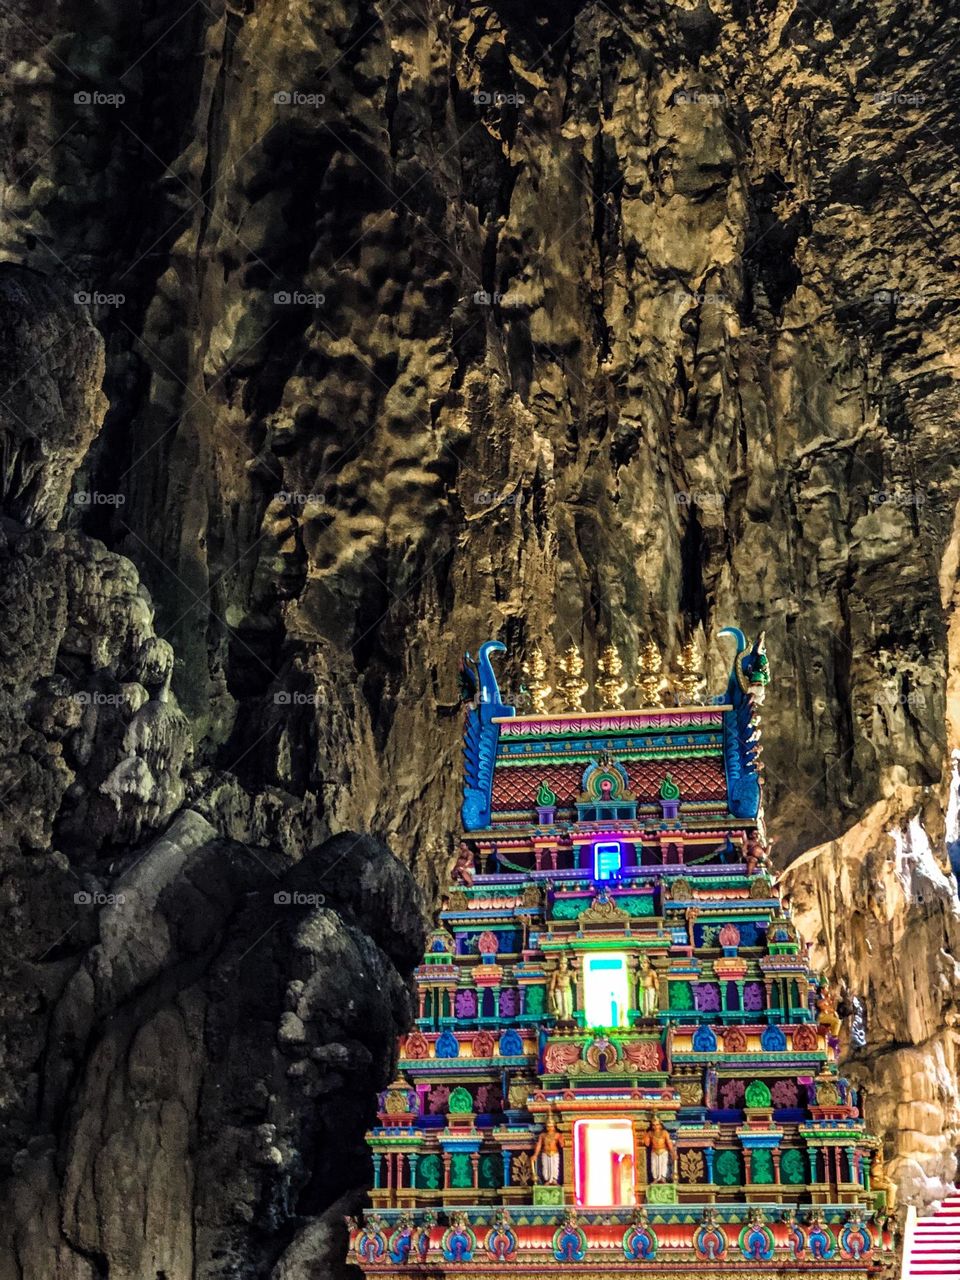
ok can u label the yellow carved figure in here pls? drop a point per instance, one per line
(546, 1154)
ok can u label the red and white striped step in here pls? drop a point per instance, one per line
(931, 1247)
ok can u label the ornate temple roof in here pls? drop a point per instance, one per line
(710, 752)
(622, 1061)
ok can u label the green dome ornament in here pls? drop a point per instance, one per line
(669, 789)
(546, 799)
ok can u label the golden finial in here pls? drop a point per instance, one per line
(609, 686)
(650, 681)
(535, 670)
(573, 686)
(688, 683)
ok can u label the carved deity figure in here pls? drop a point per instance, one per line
(660, 1145)
(827, 1011)
(754, 854)
(463, 868)
(561, 990)
(649, 989)
(880, 1180)
(546, 1154)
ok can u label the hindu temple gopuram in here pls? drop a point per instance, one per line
(622, 1060)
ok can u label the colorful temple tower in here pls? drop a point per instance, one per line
(622, 1060)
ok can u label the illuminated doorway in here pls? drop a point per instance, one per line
(606, 990)
(603, 1163)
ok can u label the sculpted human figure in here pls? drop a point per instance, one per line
(827, 1012)
(880, 1180)
(660, 1145)
(649, 989)
(546, 1154)
(463, 868)
(561, 990)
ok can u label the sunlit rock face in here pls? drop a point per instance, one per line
(337, 338)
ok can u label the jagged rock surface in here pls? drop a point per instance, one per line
(212, 1052)
(425, 324)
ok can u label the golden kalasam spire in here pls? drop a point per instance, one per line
(534, 671)
(689, 683)
(573, 686)
(609, 686)
(650, 682)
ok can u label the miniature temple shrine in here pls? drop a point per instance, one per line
(622, 1059)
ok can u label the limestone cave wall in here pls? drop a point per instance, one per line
(338, 337)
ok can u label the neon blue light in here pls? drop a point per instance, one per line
(607, 860)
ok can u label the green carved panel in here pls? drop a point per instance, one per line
(460, 1101)
(461, 1171)
(662, 1193)
(491, 1168)
(793, 1167)
(728, 1169)
(536, 1001)
(640, 904)
(429, 1172)
(761, 1166)
(547, 1195)
(681, 996)
(568, 908)
(757, 1094)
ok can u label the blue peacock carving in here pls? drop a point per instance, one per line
(481, 735)
(741, 725)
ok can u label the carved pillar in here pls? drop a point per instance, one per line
(768, 992)
(739, 985)
(776, 1165)
(475, 1166)
(836, 1165)
(639, 1160)
(412, 1163)
(506, 1156)
(747, 1159)
(566, 1160)
(709, 1154)
(377, 1169)
(865, 1165)
(446, 1170)
(812, 1157)
(852, 1165)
